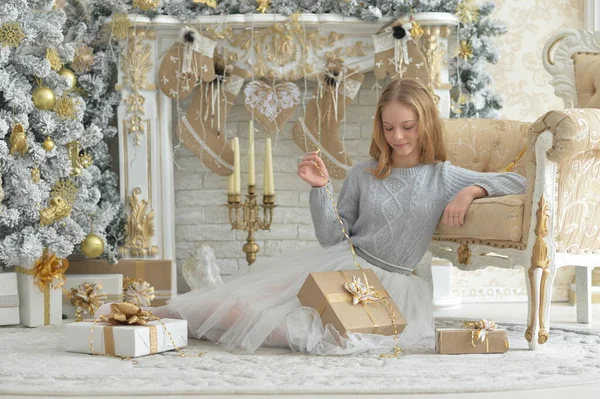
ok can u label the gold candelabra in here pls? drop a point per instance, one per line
(245, 216)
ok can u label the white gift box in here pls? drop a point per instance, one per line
(127, 341)
(112, 286)
(9, 299)
(37, 307)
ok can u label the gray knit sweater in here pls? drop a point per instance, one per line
(391, 221)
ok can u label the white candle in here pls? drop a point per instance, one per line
(231, 182)
(237, 189)
(269, 187)
(251, 168)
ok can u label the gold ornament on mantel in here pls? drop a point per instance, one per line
(35, 174)
(262, 5)
(67, 73)
(145, 5)
(92, 246)
(467, 11)
(83, 60)
(43, 98)
(18, 140)
(11, 34)
(62, 197)
(54, 59)
(48, 144)
(139, 228)
(209, 3)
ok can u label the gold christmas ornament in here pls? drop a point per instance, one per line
(62, 197)
(35, 174)
(18, 140)
(87, 299)
(73, 151)
(83, 60)
(54, 59)
(465, 50)
(138, 292)
(43, 98)
(120, 25)
(467, 11)
(65, 107)
(209, 3)
(86, 160)
(48, 144)
(262, 5)
(145, 5)
(11, 34)
(68, 74)
(92, 246)
(416, 31)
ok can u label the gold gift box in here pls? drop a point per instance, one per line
(156, 272)
(325, 292)
(459, 341)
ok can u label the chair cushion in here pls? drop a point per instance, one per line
(587, 79)
(490, 218)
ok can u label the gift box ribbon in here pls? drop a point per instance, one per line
(109, 339)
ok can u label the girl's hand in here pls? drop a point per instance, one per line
(312, 170)
(454, 214)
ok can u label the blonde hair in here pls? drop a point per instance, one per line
(411, 93)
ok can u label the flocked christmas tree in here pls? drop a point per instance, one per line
(55, 115)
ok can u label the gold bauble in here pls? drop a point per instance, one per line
(69, 74)
(48, 144)
(92, 246)
(43, 98)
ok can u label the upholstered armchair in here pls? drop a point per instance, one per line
(556, 222)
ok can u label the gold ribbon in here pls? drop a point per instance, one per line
(48, 272)
(479, 331)
(109, 340)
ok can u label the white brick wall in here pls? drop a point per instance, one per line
(200, 194)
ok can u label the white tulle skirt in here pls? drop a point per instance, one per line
(260, 307)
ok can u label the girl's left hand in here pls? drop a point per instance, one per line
(454, 214)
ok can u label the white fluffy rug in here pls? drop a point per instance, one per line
(32, 361)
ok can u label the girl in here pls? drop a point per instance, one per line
(389, 206)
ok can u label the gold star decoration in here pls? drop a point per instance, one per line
(465, 50)
(11, 34)
(262, 5)
(65, 107)
(54, 59)
(145, 5)
(467, 11)
(120, 25)
(83, 60)
(209, 3)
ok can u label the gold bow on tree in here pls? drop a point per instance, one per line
(49, 271)
(127, 314)
(479, 329)
(361, 293)
(86, 299)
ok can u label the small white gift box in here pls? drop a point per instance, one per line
(127, 340)
(9, 299)
(38, 307)
(112, 287)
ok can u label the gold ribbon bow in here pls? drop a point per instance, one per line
(127, 314)
(479, 329)
(361, 293)
(86, 299)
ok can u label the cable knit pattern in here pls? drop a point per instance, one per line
(391, 221)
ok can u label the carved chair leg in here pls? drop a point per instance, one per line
(532, 306)
(545, 303)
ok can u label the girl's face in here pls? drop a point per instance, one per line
(400, 130)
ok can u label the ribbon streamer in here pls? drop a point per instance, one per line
(478, 329)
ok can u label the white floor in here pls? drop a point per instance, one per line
(562, 314)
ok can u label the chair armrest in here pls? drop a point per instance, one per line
(574, 131)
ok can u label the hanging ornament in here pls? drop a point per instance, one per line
(467, 11)
(18, 140)
(209, 3)
(35, 174)
(145, 5)
(138, 292)
(465, 50)
(48, 144)
(62, 197)
(92, 246)
(262, 5)
(69, 74)
(272, 105)
(85, 159)
(11, 34)
(73, 152)
(54, 59)
(65, 107)
(83, 60)
(43, 98)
